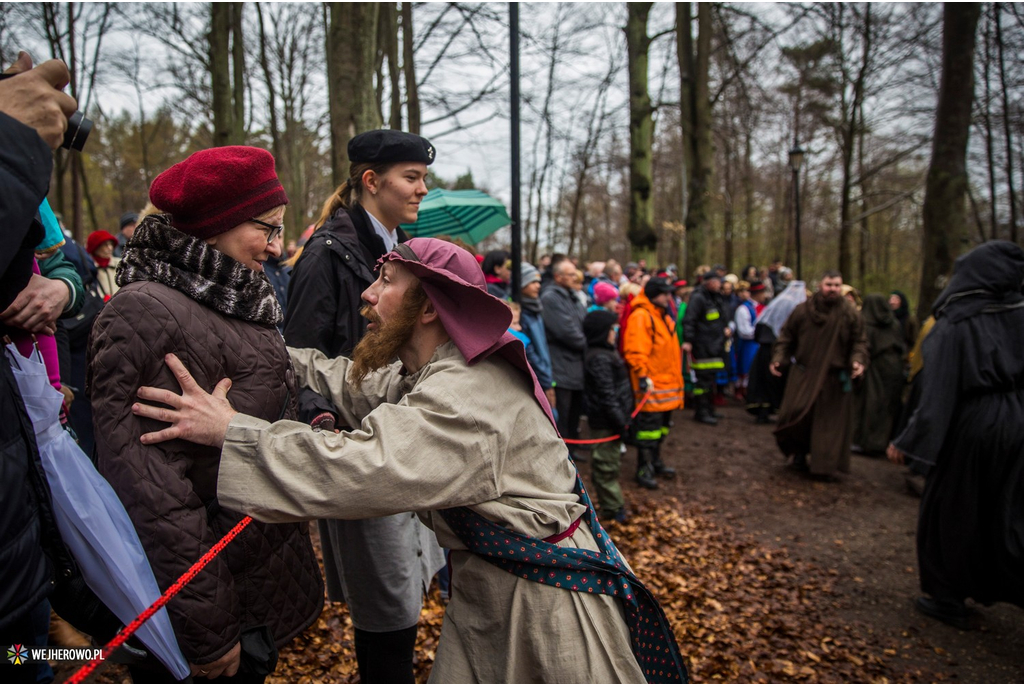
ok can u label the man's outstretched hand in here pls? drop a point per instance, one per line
(195, 415)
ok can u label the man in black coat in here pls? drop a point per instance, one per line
(705, 328)
(563, 322)
(33, 117)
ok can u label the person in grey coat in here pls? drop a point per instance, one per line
(563, 321)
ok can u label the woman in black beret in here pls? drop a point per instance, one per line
(379, 566)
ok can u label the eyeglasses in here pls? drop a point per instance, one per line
(275, 229)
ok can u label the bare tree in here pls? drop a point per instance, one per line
(641, 125)
(351, 55)
(945, 220)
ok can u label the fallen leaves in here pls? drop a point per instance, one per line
(741, 612)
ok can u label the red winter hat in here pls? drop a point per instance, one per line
(97, 238)
(214, 190)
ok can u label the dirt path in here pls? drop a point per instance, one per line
(861, 530)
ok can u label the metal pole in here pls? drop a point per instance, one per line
(799, 256)
(517, 238)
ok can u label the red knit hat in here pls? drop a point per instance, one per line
(97, 238)
(214, 190)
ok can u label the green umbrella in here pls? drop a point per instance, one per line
(470, 215)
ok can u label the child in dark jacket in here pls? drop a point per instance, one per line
(609, 399)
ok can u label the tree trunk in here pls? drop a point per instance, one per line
(389, 19)
(293, 219)
(687, 112)
(698, 219)
(997, 9)
(945, 218)
(748, 194)
(989, 137)
(641, 127)
(412, 92)
(238, 74)
(849, 140)
(77, 228)
(220, 72)
(728, 218)
(351, 54)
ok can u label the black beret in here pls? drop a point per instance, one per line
(385, 145)
(656, 286)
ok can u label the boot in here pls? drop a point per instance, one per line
(704, 414)
(645, 469)
(660, 469)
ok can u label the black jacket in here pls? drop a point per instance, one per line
(705, 322)
(336, 266)
(26, 519)
(607, 390)
(563, 322)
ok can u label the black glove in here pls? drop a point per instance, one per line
(645, 384)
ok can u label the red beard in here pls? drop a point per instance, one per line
(380, 346)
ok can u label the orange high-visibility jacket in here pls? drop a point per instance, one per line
(651, 349)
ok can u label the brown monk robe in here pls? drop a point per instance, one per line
(823, 343)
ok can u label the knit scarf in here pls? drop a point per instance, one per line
(160, 253)
(531, 304)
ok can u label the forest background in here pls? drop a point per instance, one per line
(655, 130)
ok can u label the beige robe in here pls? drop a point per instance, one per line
(446, 436)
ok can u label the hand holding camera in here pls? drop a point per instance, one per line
(34, 98)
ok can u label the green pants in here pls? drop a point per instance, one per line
(605, 460)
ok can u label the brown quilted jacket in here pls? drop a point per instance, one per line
(268, 575)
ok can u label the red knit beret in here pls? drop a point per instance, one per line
(214, 190)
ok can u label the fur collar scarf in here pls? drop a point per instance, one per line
(160, 253)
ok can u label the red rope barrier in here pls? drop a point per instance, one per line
(613, 437)
(126, 632)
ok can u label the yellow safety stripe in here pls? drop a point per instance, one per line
(707, 364)
(648, 435)
(712, 315)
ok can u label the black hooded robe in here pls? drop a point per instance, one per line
(970, 425)
(878, 396)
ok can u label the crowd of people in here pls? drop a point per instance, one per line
(432, 422)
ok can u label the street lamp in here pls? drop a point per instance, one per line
(796, 160)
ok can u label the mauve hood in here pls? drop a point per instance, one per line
(476, 321)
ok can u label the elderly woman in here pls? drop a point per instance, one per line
(192, 284)
(100, 246)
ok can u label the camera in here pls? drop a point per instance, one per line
(79, 128)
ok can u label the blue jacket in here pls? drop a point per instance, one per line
(537, 354)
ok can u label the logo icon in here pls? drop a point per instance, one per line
(17, 654)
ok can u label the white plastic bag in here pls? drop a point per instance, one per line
(91, 519)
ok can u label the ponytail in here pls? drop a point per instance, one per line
(351, 189)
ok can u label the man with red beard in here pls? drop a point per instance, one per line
(459, 430)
